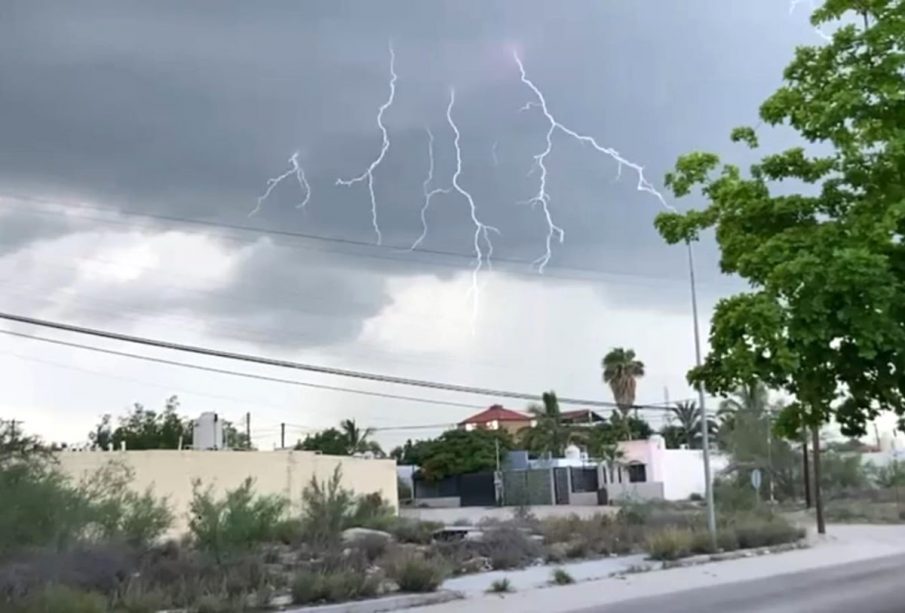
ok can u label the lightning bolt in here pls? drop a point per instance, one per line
(793, 4)
(294, 169)
(428, 192)
(541, 197)
(368, 174)
(482, 230)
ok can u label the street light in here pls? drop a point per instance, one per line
(705, 434)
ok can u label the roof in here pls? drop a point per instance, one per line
(581, 414)
(495, 413)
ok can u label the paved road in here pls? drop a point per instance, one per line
(874, 586)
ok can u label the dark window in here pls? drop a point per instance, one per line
(584, 479)
(637, 473)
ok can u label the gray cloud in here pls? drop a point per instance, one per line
(186, 109)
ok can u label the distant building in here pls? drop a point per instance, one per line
(581, 417)
(497, 418)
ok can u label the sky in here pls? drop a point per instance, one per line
(136, 139)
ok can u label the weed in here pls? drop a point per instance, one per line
(670, 544)
(500, 586)
(416, 574)
(561, 576)
(508, 547)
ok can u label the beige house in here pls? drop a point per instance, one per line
(285, 473)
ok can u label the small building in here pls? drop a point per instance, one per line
(581, 417)
(498, 418)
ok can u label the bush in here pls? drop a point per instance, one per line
(701, 543)
(118, 513)
(327, 508)
(500, 586)
(61, 599)
(670, 544)
(340, 585)
(508, 547)
(416, 574)
(726, 539)
(753, 531)
(406, 530)
(236, 522)
(371, 511)
(732, 497)
(562, 577)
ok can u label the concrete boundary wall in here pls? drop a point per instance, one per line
(284, 473)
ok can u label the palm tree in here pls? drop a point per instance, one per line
(689, 417)
(753, 398)
(549, 434)
(621, 371)
(613, 456)
(356, 438)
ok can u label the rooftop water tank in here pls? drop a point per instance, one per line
(207, 432)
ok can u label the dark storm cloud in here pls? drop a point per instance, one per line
(186, 108)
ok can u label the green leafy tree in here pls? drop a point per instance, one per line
(457, 452)
(143, 429)
(358, 439)
(822, 254)
(621, 371)
(549, 434)
(328, 442)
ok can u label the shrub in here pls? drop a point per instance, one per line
(726, 539)
(118, 513)
(562, 577)
(372, 545)
(371, 511)
(348, 584)
(730, 496)
(407, 530)
(236, 522)
(695, 497)
(670, 544)
(327, 507)
(755, 531)
(508, 547)
(500, 586)
(416, 574)
(61, 599)
(701, 542)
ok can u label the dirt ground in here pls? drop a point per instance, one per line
(473, 515)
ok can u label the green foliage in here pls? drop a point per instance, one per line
(670, 543)
(509, 547)
(407, 530)
(763, 531)
(340, 585)
(842, 473)
(560, 576)
(891, 475)
(61, 599)
(549, 434)
(621, 371)
(121, 514)
(413, 573)
(688, 431)
(347, 440)
(236, 522)
(825, 266)
(457, 452)
(328, 442)
(144, 429)
(500, 586)
(327, 507)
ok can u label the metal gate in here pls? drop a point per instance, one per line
(561, 485)
(477, 490)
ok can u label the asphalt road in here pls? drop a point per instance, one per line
(874, 586)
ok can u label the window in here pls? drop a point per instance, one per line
(637, 473)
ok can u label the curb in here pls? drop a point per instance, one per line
(378, 605)
(734, 555)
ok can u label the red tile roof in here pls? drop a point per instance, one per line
(495, 413)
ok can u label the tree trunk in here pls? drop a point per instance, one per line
(818, 499)
(806, 470)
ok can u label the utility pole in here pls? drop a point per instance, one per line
(248, 430)
(705, 434)
(282, 435)
(770, 451)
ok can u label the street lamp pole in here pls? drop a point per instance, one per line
(705, 434)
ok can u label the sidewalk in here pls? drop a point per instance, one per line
(843, 544)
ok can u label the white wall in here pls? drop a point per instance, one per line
(683, 472)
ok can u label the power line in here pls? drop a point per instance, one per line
(235, 373)
(327, 370)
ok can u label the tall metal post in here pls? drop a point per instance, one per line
(705, 433)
